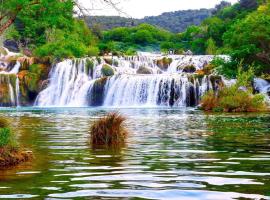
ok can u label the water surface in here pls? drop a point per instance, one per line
(169, 154)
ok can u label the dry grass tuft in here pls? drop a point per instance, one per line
(3, 123)
(109, 131)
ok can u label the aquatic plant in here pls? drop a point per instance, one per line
(10, 153)
(109, 130)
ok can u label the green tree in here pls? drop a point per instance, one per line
(211, 47)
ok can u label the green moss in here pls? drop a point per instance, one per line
(34, 69)
(98, 60)
(107, 70)
(89, 66)
(31, 81)
(3, 51)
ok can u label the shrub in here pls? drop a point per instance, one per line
(107, 70)
(233, 99)
(93, 51)
(108, 131)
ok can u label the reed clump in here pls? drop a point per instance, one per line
(10, 153)
(109, 131)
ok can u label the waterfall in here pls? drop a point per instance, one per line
(263, 87)
(159, 90)
(70, 81)
(144, 80)
(17, 92)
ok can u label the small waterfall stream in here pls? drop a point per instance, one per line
(73, 83)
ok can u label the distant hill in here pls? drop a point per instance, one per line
(175, 22)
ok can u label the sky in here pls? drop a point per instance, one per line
(142, 8)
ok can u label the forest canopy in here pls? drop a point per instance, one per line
(50, 28)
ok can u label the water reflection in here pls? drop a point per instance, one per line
(170, 154)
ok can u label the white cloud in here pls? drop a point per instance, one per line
(142, 8)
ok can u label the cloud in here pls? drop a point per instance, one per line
(142, 8)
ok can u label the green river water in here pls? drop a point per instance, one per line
(169, 154)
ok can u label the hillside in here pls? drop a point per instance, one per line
(175, 22)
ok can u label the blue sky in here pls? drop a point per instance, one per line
(142, 8)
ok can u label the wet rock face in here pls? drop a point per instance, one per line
(96, 94)
(32, 81)
(189, 69)
(11, 45)
(7, 91)
(144, 70)
(164, 63)
(107, 70)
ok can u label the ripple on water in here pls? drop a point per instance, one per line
(170, 154)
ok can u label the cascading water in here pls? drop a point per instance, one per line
(74, 84)
(263, 87)
(148, 90)
(70, 81)
(9, 81)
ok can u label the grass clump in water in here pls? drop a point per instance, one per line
(10, 153)
(109, 131)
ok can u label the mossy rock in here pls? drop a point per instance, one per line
(3, 51)
(4, 95)
(98, 60)
(41, 70)
(108, 61)
(164, 63)
(107, 70)
(97, 94)
(189, 69)
(29, 86)
(5, 81)
(144, 70)
(115, 63)
(89, 65)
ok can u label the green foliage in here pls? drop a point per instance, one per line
(49, 28)
(241, 30)
(247, 38)
(127, 40)
(5, 134)
(226, 68)
(107, 70)
(175, 22)
(245, 78)
(233, 99)
(211, 47)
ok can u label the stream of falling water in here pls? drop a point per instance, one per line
(73, 84)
